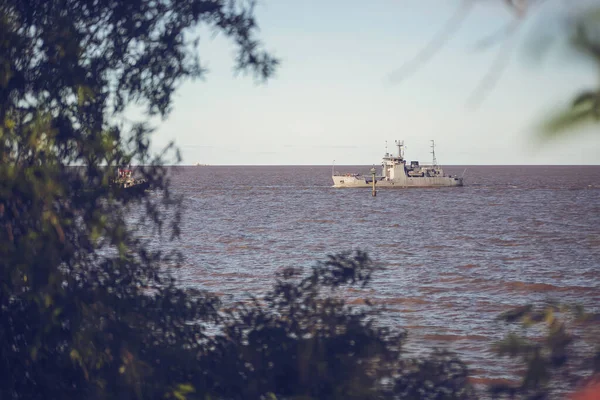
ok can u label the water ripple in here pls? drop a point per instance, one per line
(455, 257)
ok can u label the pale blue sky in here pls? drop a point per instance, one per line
(331, 98)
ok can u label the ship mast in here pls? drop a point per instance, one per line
(400, 144)
(433, 153)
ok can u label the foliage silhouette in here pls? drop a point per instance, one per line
(584, 37)
(558, 356)
(87, 307)
(301, 341)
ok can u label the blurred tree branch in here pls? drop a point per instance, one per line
(521, 8)
(438, 41)
(584, 37)
(584, 34)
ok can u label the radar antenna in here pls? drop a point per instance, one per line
(433, 153)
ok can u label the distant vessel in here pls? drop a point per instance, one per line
(126, 180)
(396, 174)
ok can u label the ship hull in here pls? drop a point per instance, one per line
(340, 181)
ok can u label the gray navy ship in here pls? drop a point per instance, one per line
(395, 173)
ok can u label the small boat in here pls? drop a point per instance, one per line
(395, 173)
(126, 180)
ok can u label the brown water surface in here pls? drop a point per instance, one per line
(455, 257)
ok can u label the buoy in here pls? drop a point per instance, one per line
(373, 174)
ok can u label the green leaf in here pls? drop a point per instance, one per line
(84, 94)
(512, 345)
(182, 390)
(585, 97)
(567, 120)
(515, 314)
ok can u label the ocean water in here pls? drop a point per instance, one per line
(455, 257)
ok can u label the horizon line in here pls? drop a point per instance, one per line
(370, 165)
